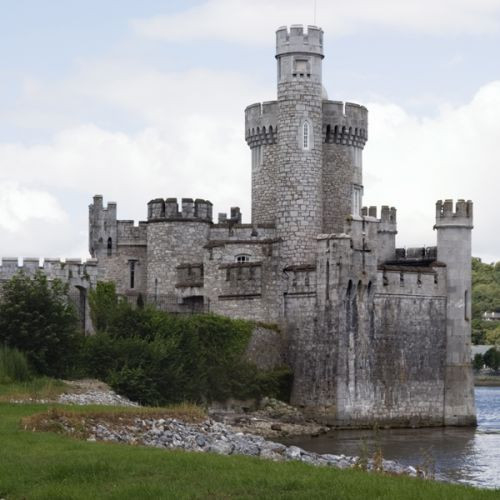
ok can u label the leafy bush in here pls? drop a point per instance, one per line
(478, 362)
(13, 366)
(485, 297)
(492, 359)
(492, 336)
(37, 318)
(158, 358)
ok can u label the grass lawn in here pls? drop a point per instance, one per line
(44, 465)
(37, 388)
(487, 380)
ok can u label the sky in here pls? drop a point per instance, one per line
(140, 100)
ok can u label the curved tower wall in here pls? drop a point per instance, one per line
(299, 192)
(260, 133)
(345, 129)
(176, 235)
(454, 227)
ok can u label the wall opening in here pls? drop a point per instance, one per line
(349, 289)
(110, 247)
(132, 273)
(305, 136)
(466, 305)
(244, 257)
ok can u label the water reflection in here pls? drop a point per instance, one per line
(467, 455)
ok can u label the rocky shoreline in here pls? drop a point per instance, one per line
(206, 436)
(224, 432)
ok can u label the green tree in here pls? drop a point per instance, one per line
(37, 318)
(493, 336)
(478, 362)
(492, 359)
(103, 304)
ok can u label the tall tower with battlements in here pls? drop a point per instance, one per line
(306, 150)
(454, 227)
(299, 195)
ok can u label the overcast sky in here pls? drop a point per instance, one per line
(139, 100)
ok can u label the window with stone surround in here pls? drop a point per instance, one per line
(301, 67)
(244, 257)
(356, 200)
(131, 264)
(305, 135)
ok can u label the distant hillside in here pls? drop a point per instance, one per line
(485, 297)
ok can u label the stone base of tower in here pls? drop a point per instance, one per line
(459, 406)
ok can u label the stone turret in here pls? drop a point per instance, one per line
(299, 57)
(387, 231)
(345, 132)
(102, 228)
(454, 226)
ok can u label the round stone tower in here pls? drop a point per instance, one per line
(454, 229)
(299, 194)
(345, 128)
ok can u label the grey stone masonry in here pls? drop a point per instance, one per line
(299, 180)
(375, 334)
(454, 226)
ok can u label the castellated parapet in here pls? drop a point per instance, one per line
(296, 40)
(195, 210)
(460, 215)
(345, 123)
(375, 334)
(80, 276)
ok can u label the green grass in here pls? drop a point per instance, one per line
(487, 380)
(43, 465)
(34, 389)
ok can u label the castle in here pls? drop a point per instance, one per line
(372, 332)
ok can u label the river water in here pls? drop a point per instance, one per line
(470, 456)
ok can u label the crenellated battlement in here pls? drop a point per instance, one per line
(448, 214)
(261, 121)
(416, 254)
(298, 40)
(52, 268)
(345, 123)
(190, 210)
(387, 214)
(129, 233)
(98, 206)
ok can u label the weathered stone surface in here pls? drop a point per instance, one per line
(375, 335)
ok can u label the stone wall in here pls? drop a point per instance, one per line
(171, 243)
(80, 277)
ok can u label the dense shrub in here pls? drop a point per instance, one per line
(159, 358)
(492, 359)
(478, 362)
(485, 297)
(13, 365)
(37, 318)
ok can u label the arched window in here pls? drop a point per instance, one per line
(242, 258)
(110, 247)
(305, 136)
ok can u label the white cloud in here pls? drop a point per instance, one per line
(190, 143)
(246, 22)
(18, 205)
(412, 162)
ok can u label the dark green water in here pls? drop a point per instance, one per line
(469, 456)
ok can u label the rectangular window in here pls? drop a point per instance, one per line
(356, 201)
(132, 273)
(306, 135)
